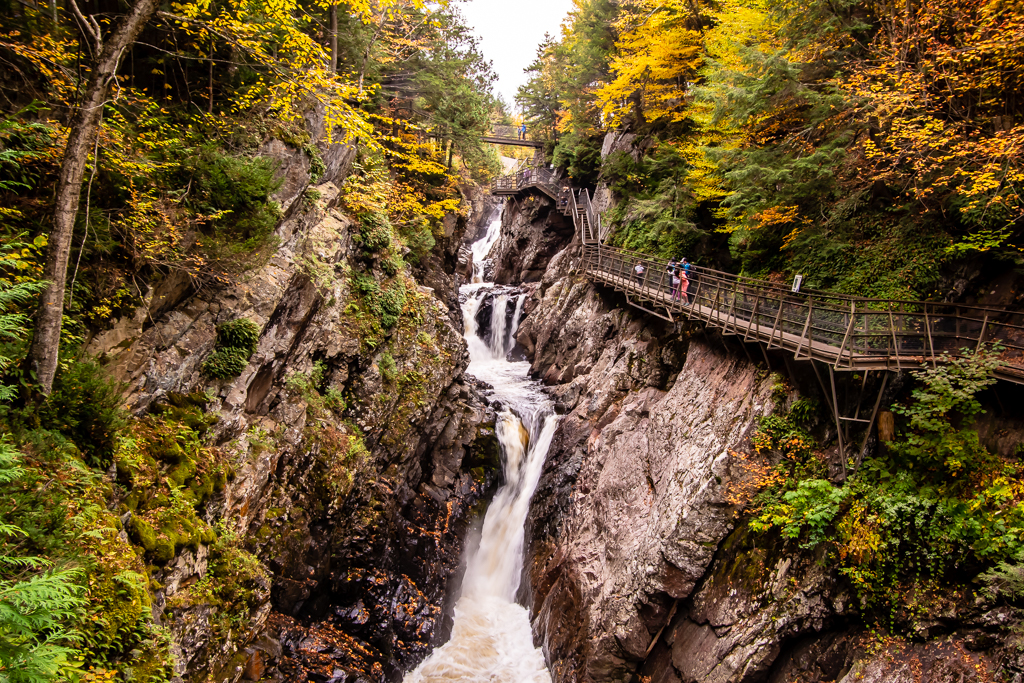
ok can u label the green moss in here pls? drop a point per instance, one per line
(164, 551)
(202, 487)
(142, 533)
(120, 601)
(182, 473)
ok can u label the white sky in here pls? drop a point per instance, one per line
(510, 31)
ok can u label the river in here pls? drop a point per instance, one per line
(491, 637)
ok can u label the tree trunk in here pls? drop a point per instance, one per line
(334, 38)
(42, 354)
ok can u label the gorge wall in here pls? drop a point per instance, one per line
(641, 563)
(354, 450)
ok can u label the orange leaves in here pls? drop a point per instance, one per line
(941, 86)
(754, 475)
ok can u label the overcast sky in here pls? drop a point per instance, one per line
(510, 31)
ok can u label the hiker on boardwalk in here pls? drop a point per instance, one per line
(686, 267)
(673, 265)
(684, 284)
(522, 131)
(638, 272)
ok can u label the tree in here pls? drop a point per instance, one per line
(81, 138)
(658, 56)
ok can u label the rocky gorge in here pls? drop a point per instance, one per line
(354, 458)
(354, 453)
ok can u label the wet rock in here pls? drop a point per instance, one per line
(532, 231)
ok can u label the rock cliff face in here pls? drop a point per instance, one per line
(358, 450)
(641, 561)
(532, 232)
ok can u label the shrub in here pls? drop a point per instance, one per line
(225, 363)
(240, 333)
(384, 304)
(374, 232)
(86, 408)
(236, 191)
(236, 342)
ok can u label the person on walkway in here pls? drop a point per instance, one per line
(638, 273)
(673, 265)
(676, 281)
(522, 131)
(686, 266)
(684, 284)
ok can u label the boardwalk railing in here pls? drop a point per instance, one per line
(847, 333)
(528, 175)
(510, 135)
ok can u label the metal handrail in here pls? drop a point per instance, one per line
(847, 332)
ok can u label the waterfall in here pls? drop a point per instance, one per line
(514, 327)
(482, 247)
(499, 310)
(491, 638)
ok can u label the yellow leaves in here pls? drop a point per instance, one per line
(654, 63)
(777, 215)
(53, 58)
(859, 535)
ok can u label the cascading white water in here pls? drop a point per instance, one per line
(515, 323)
(499, 309)
(482, 247)
(491, 638)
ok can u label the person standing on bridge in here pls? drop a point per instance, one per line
(522, 131)
(638, 273)
(673, 282)
(684, 284)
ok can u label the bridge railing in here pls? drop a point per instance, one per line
(529, 175)
(848, 332)
(510, 132)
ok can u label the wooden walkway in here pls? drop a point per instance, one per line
(845, 333)
(509, 135)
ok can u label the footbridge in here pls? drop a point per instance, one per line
(510, 135)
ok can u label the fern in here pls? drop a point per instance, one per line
(38, 602)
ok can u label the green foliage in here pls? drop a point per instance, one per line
(804, 410)
(15, 297)
(225, 363)
(313, 388)
(385, 304)
(236, 191)
(236, 342)
(374, 232)
(235, 583)
(662, 215)
(809, 509)
(240, 333)
(419, 238)
(934, 506)
(1006, 579)
(85, 407)
(39, 603)
(940, 417)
